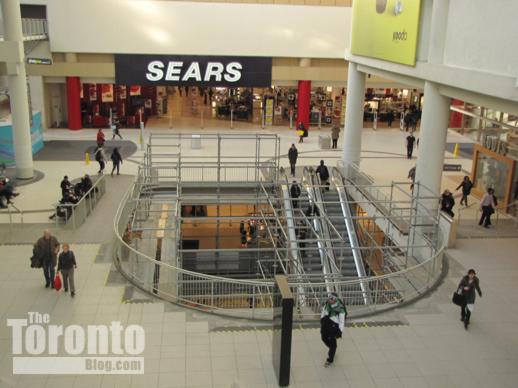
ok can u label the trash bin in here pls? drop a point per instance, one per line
(196, 142)
(324, 142)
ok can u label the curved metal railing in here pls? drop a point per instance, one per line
(253, 298)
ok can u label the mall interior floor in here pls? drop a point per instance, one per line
(420, 345)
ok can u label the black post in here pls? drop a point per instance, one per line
(282, 328)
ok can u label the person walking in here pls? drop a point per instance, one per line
(116, 130)
(335, 134)
(293, 154)
(411, 176)
(116, 159)
(466, 186)
(323, 173)
(67, 264)
(467, 286)
(301, 132)
(295, 194)
(487, 205)
(47, 248)
(332, 323)
(100, 157)
(447, 202)
(390, 118)
(100, 138)
(410, 140)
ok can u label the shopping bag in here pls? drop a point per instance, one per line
(458, 299)
(471, 307)
(57, 283)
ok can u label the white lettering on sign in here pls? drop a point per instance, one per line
(192, 72)
(213, 69)
(154, 71)
(234, 73)
(174, 71)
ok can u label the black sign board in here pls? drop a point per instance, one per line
(39, 61)
(190, 70)
(452, 167)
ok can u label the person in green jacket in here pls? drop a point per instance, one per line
(332, 323)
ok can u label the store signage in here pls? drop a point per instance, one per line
(452, 167)
(386, 29)
(193, 70)
(39, 61)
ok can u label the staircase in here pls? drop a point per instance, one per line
(311, 261)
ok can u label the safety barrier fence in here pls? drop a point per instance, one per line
(32, 29)
(250, 298)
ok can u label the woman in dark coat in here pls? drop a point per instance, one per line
(116, 159)
(467, 287)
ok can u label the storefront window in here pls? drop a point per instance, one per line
(492, 173)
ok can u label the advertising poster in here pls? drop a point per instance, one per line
(386, 29)
(107, 93)
(135, 90)
(268, 112)
(92, 92)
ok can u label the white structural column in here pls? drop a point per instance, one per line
(354, 115)
(17, 82)
(432, 138)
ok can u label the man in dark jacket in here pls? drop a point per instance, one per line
(47, 248)
(293, 154)
(65, 185)
(467, 287)
(323, 173)
(410, 140)
(67, 264)
(295, 194)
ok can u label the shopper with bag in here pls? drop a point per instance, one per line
(46, 251)
(487, 206)
(466, 288)
(67, 264)
(332, 323)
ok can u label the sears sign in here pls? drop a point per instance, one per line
(186, 70)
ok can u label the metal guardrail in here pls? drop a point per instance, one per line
(252, 298)
(32, 29)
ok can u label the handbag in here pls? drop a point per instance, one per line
(458, 299)
(57, 283)
(471, 307)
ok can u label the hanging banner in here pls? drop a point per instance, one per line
(192, 70)
(268, 112)
(122, 92)
(92, 92)
(135, 90)
(160, 92)
(107, 93)
(342, 113)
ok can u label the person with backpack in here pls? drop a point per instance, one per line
(100, 158)
(293, 154)
(116, 130)
(116, 159)
(66, 265)
(332, 323)
(323, 173)
(466, 186)
(302, 132)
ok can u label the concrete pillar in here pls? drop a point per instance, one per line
(354, 115)
(432, 140)
(17, 82)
